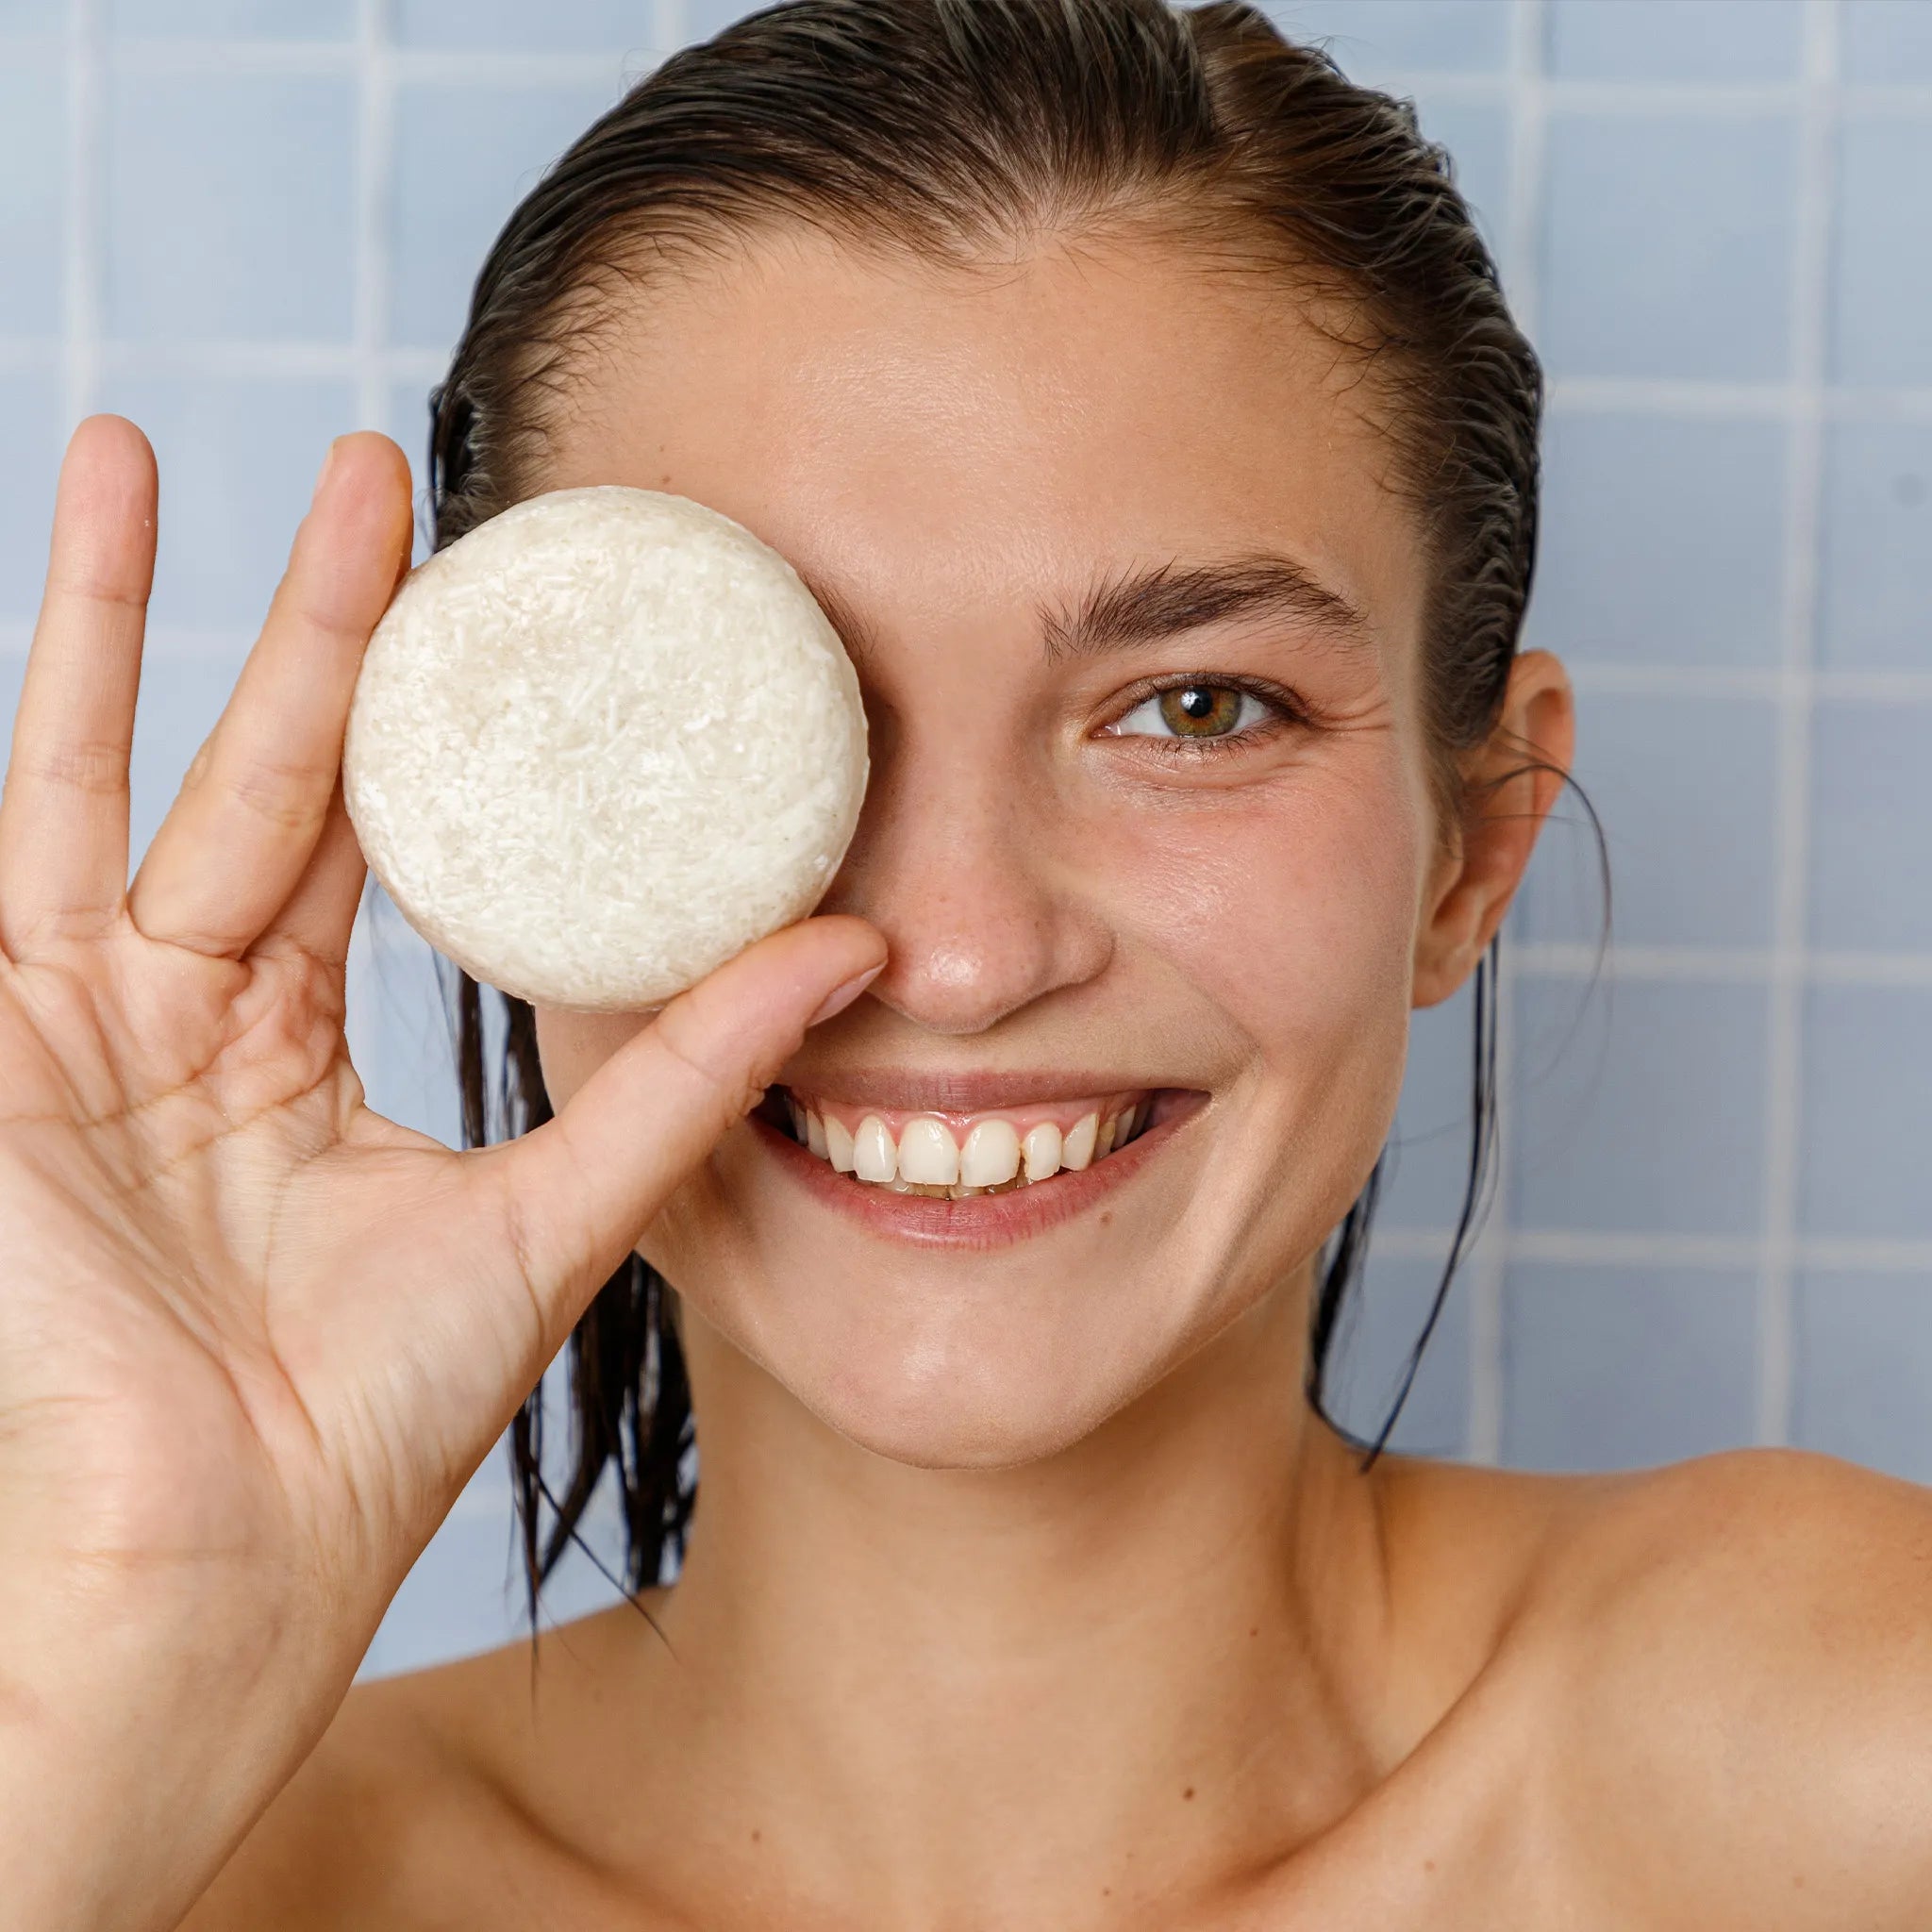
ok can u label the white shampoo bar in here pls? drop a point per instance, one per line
(600, 744)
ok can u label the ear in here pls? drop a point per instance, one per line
(1512, 782)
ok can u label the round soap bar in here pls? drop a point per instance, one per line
(601, 743)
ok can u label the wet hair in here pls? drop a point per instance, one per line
(962, 133)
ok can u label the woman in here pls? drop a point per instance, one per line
(1137, 397)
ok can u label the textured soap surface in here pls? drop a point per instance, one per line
(601, 743)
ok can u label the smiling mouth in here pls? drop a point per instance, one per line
(959, 1156)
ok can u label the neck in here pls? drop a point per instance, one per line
(971, 1695)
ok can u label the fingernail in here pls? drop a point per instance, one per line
(328, 463)
(841, 997)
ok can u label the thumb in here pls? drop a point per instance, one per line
(579, 1190)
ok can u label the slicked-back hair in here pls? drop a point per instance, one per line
(964, 133)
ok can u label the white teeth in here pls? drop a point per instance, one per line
(927, 1153)
(873, 1157)
(927, 1159)
(990, 1155)
(1043, 1151)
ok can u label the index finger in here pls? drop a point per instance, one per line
(63, 810)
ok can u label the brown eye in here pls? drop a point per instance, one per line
(1201, 710)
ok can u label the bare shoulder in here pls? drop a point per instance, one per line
(1744, 1708)
(389, 1824)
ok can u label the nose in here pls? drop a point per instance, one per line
(956, 864)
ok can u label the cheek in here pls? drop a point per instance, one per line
(1290, 907)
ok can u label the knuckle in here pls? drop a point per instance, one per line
(283, 796)
(97, 768)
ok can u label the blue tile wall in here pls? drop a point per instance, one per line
(1876, 567)
(1689, 41)
(1663, 539)
(238, 458)
(558, 27)
(1882, 288)
(1667, 245)
(30, 443)
(1888, 40)
(33, 191)
(1426, 1175)
(181, 699)
(1614, 1368)
(1640, 172)
(270, 19)
(1870, 829)
(273, 153)
(1375, 39)
(1688, 791)
(1375, 1335)
(1597, 1149)
(1866, 1146)
(465, 156)
(1864, 1368)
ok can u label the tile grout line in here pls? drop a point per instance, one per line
(86, 214)
(1810, 296)
(1490, 1262)
(364, 360)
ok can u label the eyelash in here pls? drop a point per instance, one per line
(1289, 712)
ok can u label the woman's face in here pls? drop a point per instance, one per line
(1159, 842)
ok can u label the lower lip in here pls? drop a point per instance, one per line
(979, 1221)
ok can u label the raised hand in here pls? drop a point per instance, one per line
(254, 1337)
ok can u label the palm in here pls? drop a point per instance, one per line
(251, 1327)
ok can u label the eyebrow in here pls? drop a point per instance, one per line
(1146, 605)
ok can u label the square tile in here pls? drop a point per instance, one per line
(229, 206)
(33, 192)
(1375, 1333)
(238, 461)
(1686, 790)
(465, 154)
(1875, 593)
(1428, 1169)
(1881, 284)
(1870, 866)
(1662, 539)
(1886, 42)
(1638, 1106)
(1371, 39)
(1621, 1367)
(1865, 1152)
(1863, 1364)
(1688, 41)
(1667, 245)
(558, 26)
(213, 20)
(32, 438)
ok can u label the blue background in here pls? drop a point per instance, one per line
(252, 223)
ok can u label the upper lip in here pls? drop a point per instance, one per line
(914, 1092)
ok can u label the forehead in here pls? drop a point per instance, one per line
(914, 435)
